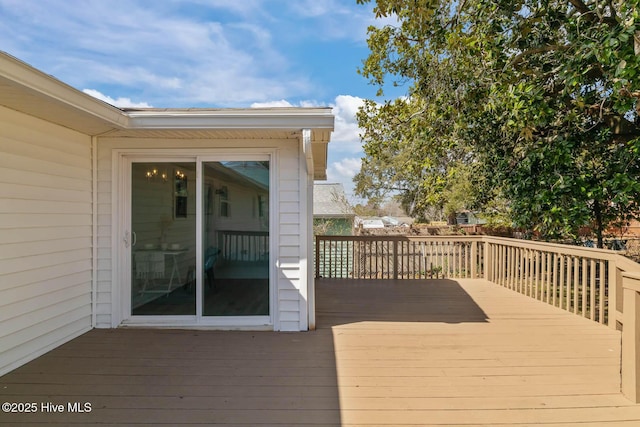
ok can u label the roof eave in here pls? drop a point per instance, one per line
(251, 118)
(33, 92)
(55, 94)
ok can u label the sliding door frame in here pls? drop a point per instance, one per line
(122, 160)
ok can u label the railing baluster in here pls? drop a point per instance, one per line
(375, 260)
(469, 251)
(569, 282)
(576, 285)
(543, 274)
(555, 279)
(518, 269)
(512, 268)
(601, 294)
(547, 277)
(420, 267)
(534, 283)
(496, 263)
(527, 270)
(592, 289)
(509, 267)
(561, 284)
(583, 294)
(460, 259)
(500, 266)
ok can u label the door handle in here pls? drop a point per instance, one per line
(131, 236)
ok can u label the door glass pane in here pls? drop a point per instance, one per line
(163, 217)
(236, 238)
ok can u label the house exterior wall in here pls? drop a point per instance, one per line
(45, 237)
(286, 194)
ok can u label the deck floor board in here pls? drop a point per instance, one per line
(393, 353)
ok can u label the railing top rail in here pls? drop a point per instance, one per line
(625, 264)
(632, 274)
(404, 238)
(622, 263)
(555, 247)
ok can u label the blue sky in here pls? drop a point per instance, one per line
(204, 53)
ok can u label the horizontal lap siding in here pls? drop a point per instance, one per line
(45, 237)
(289, 248)
(104, 265)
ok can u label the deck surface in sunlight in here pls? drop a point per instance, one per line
(394, 353)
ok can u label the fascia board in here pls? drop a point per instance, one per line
(293, 119)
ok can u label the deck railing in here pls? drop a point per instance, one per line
(580, 280)
(398, 257)
(237, 245)
(586, 281)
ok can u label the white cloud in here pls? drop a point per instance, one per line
(184, 56)
(345, 168)
(271, 104)
(343, 171)
(337, 19)
(119, 102)
(346, 136)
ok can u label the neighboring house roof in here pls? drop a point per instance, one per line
(330, 201)
(28, 90)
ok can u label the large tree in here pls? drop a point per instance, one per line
(536, 101)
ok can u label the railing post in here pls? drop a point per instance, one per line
(488, 261)
(631, 337)
(612, 297)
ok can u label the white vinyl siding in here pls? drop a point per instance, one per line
(45, 237)
(288, 210)
(286, 192)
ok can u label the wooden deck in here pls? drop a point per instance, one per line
(438, 352)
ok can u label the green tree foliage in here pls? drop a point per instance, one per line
(535, 102)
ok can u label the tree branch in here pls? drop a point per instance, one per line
(542, 49)
(583, 9)
(580, 6)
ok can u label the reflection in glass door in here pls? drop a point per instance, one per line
(163, 223)
(235, 238)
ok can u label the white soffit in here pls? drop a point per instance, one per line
(26, 89)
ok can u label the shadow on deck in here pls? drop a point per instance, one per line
(385, 353)
(346, 301)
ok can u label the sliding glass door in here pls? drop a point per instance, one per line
(163, 220)
(236, 238)
(200, 239)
